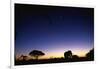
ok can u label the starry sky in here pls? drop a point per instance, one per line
(53, 29)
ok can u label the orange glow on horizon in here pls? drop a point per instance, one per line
(80, 53)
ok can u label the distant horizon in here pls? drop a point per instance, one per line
(53, 30)
(81, 53)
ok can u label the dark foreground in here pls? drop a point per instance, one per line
(54, 60)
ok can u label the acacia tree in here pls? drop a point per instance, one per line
(36, 54)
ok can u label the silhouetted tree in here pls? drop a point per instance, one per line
(23, 57)
(75, 57)
(68, 55)
(36, 54)
(90, 55)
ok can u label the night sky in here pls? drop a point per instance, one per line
(53, 29)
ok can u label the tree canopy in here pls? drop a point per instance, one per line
(90, 54)
(68, 55)
(36, 53)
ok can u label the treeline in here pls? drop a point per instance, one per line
(68, 57)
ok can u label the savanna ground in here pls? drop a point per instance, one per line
(54, 60)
